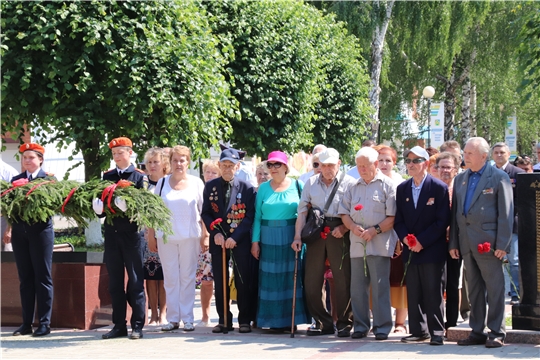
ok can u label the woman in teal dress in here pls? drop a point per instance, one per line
(273, 233)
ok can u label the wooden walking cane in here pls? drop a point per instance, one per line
(294, 291)
(225, 268)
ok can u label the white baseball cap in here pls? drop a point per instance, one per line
(418, 151)
(329, 156)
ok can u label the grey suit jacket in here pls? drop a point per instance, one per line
(490, 215)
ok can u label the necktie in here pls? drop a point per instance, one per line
(228, 194)
(30, 177)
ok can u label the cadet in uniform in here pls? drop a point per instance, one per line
(33, 248)
(124, 247)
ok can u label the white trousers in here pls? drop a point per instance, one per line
(179, 262)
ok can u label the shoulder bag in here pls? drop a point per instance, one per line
(311, 232)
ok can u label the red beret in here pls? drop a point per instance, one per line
(120, 141)
(32, 146)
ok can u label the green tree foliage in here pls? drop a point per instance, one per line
(298, 77)
(91, 71)
(529, 51)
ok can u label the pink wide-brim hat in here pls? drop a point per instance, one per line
(278, 156)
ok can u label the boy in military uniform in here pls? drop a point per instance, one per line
(124, 247)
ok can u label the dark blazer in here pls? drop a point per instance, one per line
(136, 176)
(512, 172)
(242, 193)
(490, 216)
(428, 221)
(41, 175)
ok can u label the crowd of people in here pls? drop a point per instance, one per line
(389, 240)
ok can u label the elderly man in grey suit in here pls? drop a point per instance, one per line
(482, 211)
(368, 209)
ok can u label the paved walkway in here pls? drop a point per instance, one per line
(260, 344)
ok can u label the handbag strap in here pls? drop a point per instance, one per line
(298, 189)
(333, 193)
(162, 183)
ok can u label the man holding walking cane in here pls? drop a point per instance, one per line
(228, 210)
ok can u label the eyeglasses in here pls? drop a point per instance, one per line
(275, 165)
(415, 161)
(315, 165)
(446, 168)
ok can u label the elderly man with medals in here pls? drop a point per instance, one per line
(228, 211)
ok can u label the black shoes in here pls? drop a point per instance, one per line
(114, 333)
(471, 341)
(23, 330)
(136, 334)
(358, 335)
(315, 332)
(381, 336)
(42, 330)
(345, 332)
(415, 338)
(221, 328)
(494, 343)
(436, 340)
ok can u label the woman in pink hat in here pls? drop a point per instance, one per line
(273, 233)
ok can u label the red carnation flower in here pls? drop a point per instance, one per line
(20, 182)
(358, 207)
(327, 229)
(324, 235)
(480, 249)
(411, 240)
(486, 246)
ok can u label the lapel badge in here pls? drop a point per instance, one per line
(214, 188)
(211, 198)
(431, 201)
(239, 195)
(407, 199)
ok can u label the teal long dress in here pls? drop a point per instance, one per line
(275, 216)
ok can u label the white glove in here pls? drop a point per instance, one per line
(97, 204)
(120, 203)
(159, 234)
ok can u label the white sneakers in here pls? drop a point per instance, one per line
(188, 326)
(170, 326)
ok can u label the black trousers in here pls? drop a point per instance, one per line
(33, 248)
(453, 268)
(425, 298)
(242, 280)
(124, 251)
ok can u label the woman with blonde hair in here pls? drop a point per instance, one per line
(157, 165)
(182, 193)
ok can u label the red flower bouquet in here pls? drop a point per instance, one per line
(485, 248)
(412, 241)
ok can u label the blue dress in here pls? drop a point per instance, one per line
(273, 227)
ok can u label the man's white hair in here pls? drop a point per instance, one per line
(319, 147)
(481, 143)
(369, 153)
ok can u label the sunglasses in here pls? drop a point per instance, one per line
(415, 161)
(315, 165)
(275, 165)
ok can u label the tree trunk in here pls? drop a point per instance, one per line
(449, 107)
(92, 170)
(485, 129)
(466, 111)
(92, 158)
(377, 45)
(473, 111)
